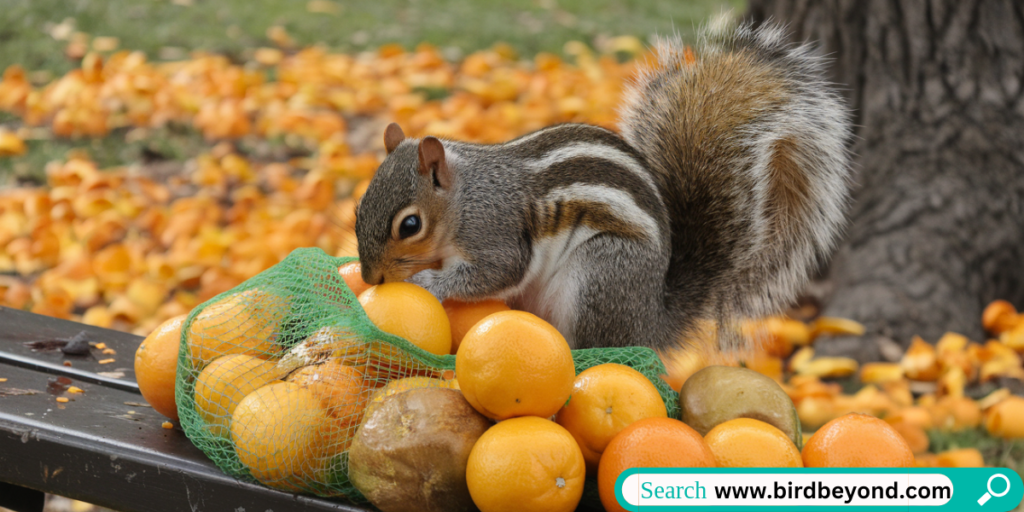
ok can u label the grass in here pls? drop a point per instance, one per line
(169, 27)
(175, 142)
(996, 452)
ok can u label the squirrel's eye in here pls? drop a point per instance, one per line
(409, 227)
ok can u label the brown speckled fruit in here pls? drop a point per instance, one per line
(718, 394)
(411, 452)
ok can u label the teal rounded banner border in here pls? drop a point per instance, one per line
(969, 484)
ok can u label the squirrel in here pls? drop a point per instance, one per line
(728, 185)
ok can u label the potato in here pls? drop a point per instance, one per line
(410, 453)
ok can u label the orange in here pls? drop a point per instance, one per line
(606, 399)
(352, 273)
(156, 364)
(280, 433)
(857, 441)
(749, 443)
(526, 463)
(410, 312)
(339, 387)
(515, 364)
(650, 443)
(244, 323)
(224, 383)
(464, 315)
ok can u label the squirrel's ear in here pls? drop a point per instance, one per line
(432, 161)
(393, 136)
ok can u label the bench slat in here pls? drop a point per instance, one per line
(17, 328)
(65, 371)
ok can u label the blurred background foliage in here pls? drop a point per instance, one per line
(48, 38)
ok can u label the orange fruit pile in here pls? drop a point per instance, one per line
(291, 412)
(555, 427)
(515, 367)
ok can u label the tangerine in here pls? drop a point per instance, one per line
(410, 312)
(512, 363)
(281, 434)
(243, 323)
(526, 463)
(606, 399)
(464, 315)
(650, 443)
(352, 273)
(749, 443)
(224, 383)
(857, 441)
(156, 365)
(339, 387)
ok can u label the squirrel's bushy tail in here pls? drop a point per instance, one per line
(748, 143)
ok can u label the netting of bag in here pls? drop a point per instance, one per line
(274, 376)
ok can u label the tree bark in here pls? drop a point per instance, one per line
(937, 226)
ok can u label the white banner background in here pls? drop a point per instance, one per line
(633, 494)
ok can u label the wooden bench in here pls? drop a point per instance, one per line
(104, 446)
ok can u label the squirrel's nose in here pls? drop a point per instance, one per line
(372, 278)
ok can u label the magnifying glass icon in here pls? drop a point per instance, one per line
(988, 495)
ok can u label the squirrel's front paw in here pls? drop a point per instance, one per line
(427, 279)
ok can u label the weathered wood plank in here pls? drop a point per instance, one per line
(19, 328)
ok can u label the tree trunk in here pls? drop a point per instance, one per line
(937, 227)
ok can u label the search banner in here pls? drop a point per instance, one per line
(811, 489)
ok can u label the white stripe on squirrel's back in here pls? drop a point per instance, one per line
(594, 150)
(618, 202)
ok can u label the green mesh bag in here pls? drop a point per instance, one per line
(238, 348)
